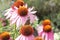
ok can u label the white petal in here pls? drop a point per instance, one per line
(14, 15)
(33, 12)
(30, 9)
(18, 23)
(8, 16)
(21, 38)
(15, 7)
(46, 38)
(18, 37)
(24, 38)
(8, 11)
(14, 20)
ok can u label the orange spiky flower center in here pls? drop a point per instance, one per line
(18, 3)
(38, 38)
(46, 22)
(5, 36)
(47, 28)
(26, 30)
(22, 11)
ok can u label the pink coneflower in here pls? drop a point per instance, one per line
(46, 22)
(14, 7)
(38, 38)
(18, 3)
(21, 15)
(47, 33)
(26, 33)
(5, 36)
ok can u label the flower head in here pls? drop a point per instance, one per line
(22, 11)
(26, 30)
(18, 3)
(5, 36)
(47, 28)
(46, 22)
(38, 38)
(21, 15)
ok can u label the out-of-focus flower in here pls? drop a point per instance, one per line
(26, 33)
(21, 15)
(47, 33)
(14, 7)
(38, 38)
(3, 21)
(5, 36)
(56, 36)
(46, 22)
(47, 28)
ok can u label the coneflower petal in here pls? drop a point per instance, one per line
(8, 16)
(14, 15)
(23, 38)
(8, 11)
(33, 12)
(18, 22)
(30, 9)
(24, 19)
(13, 21)
(18, 38)
(50, 35)
(32, 18)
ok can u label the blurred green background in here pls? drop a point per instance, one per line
(46, 9)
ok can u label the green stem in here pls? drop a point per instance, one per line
(14, 34)
(1, 29)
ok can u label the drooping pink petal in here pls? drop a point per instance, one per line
(32, 18)
(24, 19)
(47, 36)
(51, 35)
(13, 21)
(39, 29)
(18, 38)
(8, 16)
(22, 37)
(14, 15)
(18, 22)
(8, 11)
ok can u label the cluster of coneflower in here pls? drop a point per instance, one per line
(20, 14)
